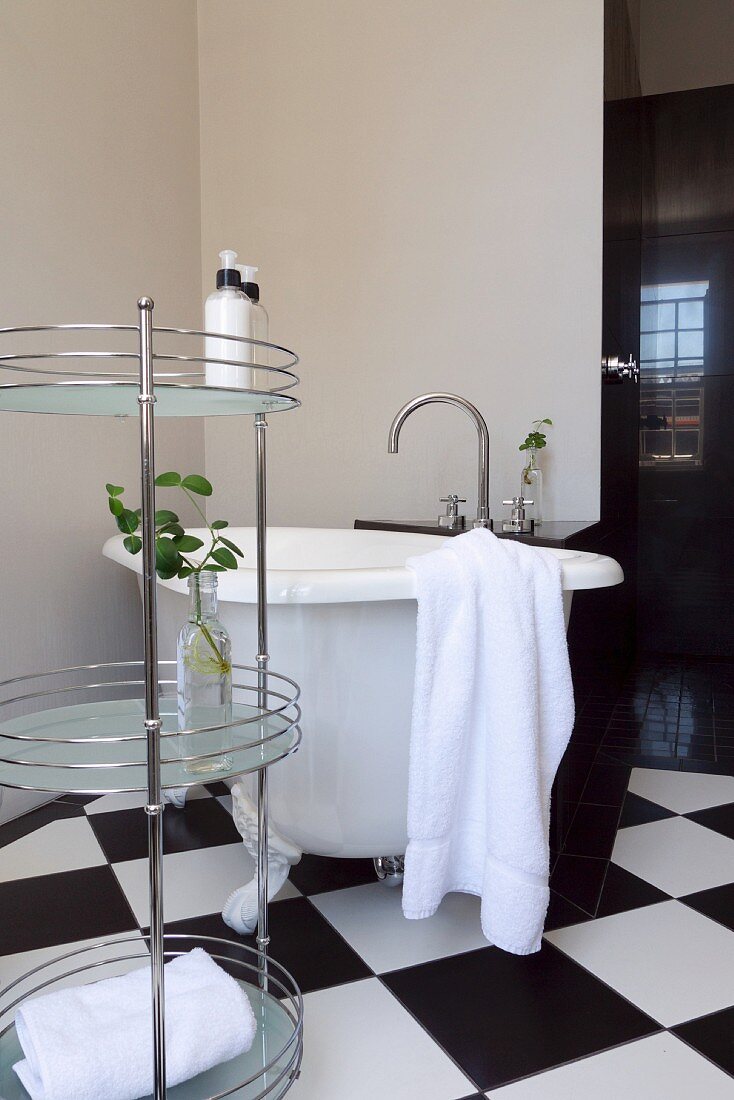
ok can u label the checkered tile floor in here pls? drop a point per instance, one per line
(631, 996)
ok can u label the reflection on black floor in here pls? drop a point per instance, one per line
(672, 713)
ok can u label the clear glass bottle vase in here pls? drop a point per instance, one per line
(531, 485)
(204, 673)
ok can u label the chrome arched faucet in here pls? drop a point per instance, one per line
(480, 424)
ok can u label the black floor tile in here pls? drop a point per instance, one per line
(713, 1036)
(717, 903)
(616, 755)
(607, 784)
(218, 789)
(79, 799)
(301, 940)
(44, 815)
(317, 874)
(562, 913)
(579, 880)
(640, 811)
(572, 776)
(623, 891)
(62, 908)
(709, 767)
(592, 831)
(203, 823)
(719, 818)
(561, 816)
(501, 1016)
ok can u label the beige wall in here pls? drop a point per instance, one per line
(685, 44)
(99, 202)
(421, 186)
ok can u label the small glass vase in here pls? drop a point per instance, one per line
(531, 485)
(204, 670)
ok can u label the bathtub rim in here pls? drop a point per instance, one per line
(581, 571)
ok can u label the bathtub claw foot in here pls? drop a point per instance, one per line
(175, 796)
(240, 910)
(390, 869)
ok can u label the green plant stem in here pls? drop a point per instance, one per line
(214, 535)
(205, 630)
(223, 665)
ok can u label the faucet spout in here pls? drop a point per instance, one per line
(480, 424)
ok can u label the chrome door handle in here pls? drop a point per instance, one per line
(612, 370)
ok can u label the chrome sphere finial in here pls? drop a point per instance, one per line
(145, 302)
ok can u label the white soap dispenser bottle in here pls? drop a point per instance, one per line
(227, 311)
(259, 326)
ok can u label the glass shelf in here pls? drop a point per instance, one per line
(266, 1070)
(109, 398)
(94, 766)
(274, 1029)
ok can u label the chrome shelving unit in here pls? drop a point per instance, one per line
(108, 728)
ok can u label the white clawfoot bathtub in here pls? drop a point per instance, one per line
(342, 617)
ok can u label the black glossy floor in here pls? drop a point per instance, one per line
(631, 996)
(662, 713)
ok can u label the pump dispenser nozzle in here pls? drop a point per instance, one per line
(228, 275)
(250, 287)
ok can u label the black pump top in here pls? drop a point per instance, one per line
(252, 290)
(229, 276)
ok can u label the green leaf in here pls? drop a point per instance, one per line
(184, 572)
(166, 550)
(188, 543)
(214, 569)
(114, 490)
(232, 546)
(133, 544)
(219, 524)
(547, 421)
(171, 529)
(116, 506)
(224, 557)
(167, 558)
(171, 478)
(195, 483)
(165, 516)
(128, 522)
(165, 574)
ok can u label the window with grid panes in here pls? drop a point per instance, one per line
(672, 337)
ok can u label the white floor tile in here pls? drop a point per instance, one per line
(682, 792)
(360, 1043)
(16, 966)
(670, 961)
(658, 1068)
(64, 845)
(370, 918)
(194, 883)
(133, 800)
(676, 855)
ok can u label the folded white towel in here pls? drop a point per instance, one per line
(94, 1042)
(492, 715)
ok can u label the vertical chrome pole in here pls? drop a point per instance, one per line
(154, 808)
(263, 939)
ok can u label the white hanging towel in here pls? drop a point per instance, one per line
(95, 1042)
(492, 715)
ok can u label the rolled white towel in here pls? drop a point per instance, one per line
(94, 1042)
